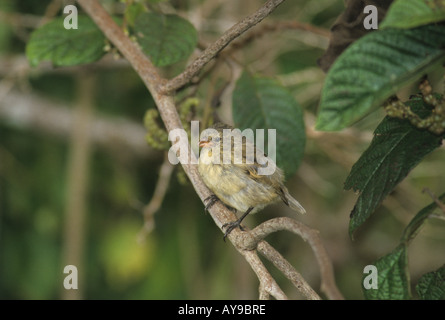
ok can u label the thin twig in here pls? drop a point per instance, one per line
(288, 270)
(328, 284)
(267, 282)
(34, 112)
(274, 27)
(51, 10)
(439, 203)
(77, 177)
(264, 295)
(19, 19)
(235, 31)
(166, 106)
(155, 203)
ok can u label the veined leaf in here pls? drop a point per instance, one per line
(375, 67)
(66, 47)
(397, 147)
(393, 277)
(412, 13)
(262, 103)
(167, 39)
(431, 286)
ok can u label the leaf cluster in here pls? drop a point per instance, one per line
(258, 102)
(369, 74)
(372, 68)
(393, 276)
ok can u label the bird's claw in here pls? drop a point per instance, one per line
(211, 200)
(230, 226)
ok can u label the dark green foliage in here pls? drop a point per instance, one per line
(167, 39)
(375, 67)
(432, 285)
(393, 277)
(262, 103)
(413, 13)
(397, 148)
(183, 257)
(66, 47)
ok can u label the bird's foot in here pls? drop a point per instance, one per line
(230, 226)
(210, 201)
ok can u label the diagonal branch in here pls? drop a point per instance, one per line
(34, 112)
(287, 269)
(156, 201)
(439, 203)
(310, 235)
(234, 32)
(162, 92)
(166, 106)
(274, 27)
(267, 282)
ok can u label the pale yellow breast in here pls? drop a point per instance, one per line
(234, 186)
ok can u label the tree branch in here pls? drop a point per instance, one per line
(287, 269)
(310, 235)
(165, 103)
(274, 27)
(33, 112)
(439, 203)
(267, 282)
(77, 177)
(208, 54)
(162, 93)
(156, 201)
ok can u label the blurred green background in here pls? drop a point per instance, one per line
(76, 172)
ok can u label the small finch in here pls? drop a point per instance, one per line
(236, 179)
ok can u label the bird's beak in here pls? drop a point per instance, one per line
(203, 143)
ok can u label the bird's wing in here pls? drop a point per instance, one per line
(253, 161)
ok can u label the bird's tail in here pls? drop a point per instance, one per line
(292, 202)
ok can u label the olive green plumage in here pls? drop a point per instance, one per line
(239, 185)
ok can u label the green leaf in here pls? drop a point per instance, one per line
(167, 39)
(412, 13)
(413, 228)
(431, 286)
(262, 103)
(66, 47)
(298, 60)
(375, 67)
(132, 11)
(397, 147)
(393, 277)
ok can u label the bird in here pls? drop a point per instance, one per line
(239, 184)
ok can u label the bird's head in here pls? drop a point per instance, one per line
(210, 140)
(212, 136)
